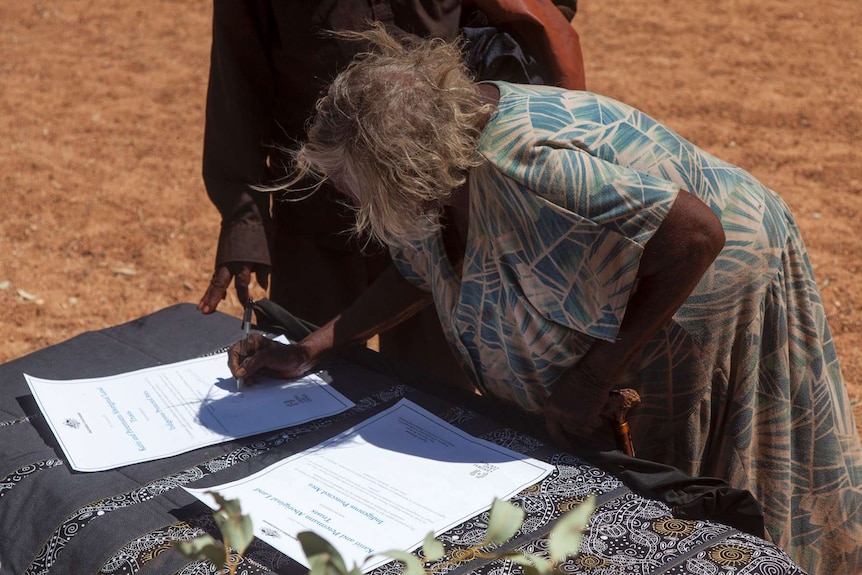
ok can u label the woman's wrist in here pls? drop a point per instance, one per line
(318, 347)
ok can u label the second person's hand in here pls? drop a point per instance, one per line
(238, 272)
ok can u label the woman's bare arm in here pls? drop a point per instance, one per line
(682, 248)
(387, 302)
(390, 300)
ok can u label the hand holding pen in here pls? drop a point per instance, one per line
(257, 357)
(246, 330)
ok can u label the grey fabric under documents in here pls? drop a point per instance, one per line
(56, 521)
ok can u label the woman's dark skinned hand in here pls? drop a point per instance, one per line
(266, 358)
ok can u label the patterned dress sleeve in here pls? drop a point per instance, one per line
(411, 263)
(567, 227)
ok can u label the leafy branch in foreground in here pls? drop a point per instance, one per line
(505, 520)
(236, 531)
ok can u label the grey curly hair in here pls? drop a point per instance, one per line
(397, 131)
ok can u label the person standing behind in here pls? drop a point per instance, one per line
(269, 63)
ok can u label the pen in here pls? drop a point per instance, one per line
(246, 328)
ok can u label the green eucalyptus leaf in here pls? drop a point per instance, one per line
(533, 564)
(203, 547)
(322, 554)
(432, 548)
(565, 538)
(412, 564)
(238, 534)
(504, 522)
(231, 506)
(321, 564)
(236, 528)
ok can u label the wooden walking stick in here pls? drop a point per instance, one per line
(620, 402)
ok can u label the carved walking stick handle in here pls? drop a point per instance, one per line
(620, 402)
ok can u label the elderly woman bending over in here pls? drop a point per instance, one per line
(571, 244)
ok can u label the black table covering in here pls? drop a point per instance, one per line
(54, 520)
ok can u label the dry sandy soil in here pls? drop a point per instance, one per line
(101, 121)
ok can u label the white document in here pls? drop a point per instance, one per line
(109, 422)
(382, 485)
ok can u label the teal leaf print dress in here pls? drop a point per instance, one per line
(742, 384)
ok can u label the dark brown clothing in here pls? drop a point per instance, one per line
(270, 62)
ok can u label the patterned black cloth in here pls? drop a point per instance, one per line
(54, 520)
